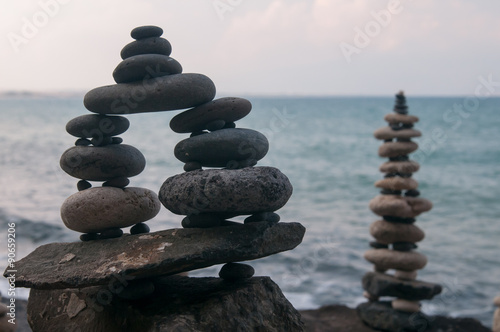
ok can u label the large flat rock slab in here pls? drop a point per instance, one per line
(83, 264)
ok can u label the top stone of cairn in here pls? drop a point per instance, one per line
(146, 31)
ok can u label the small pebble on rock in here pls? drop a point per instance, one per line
(216, 125)
(82, 142)
(236, 271)
(82, 185)
(146, 31)
(89, 237)
(377, 245)
(120, 182)
(263, 216)
(139, 228)
(116, 140)
(111, 233)
(192, 166)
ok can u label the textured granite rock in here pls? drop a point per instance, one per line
(228, 109)
(102, 163)
(231, 192)
(96, 209)
(166, 93)
(178, 304)
(380, 284)
(145, 66)
(83, 264)
(223, 148)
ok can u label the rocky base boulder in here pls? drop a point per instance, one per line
(177, 304)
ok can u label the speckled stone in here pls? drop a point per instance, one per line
(385, 259)
(145, 66)
(151, 45)
(398, 206)
(146, 31)
(223, 148)
(389, 133)
(386, 232)
(229, 109)
(404, 167)
(229, 192)
(394, 149)
(102, 163)
(166, 93)
(397, 183)
(97, 126)
(97, 209)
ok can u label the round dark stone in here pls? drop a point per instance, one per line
(97, 126)
(388, 140)
(152, 45)
(111, 233)
(399, 158)
(263, 216)
(119, 182)
(412, 193)
(145, 66)
(404, 246)
(82, 185)
(377, 245)
(102, 141)
(192, 166)
(229, 109)
(89, 237)
(139, 228)
(236, 271)
(166, 93)
(83, 142)
(230, 125)
(390, 192)
(221, 147)
(146, 31)
(202, 220)
(216, 125)
(234, 164)
(390, 175)
(102, 163)
(407, 126)
(116, 140)
(400, 220)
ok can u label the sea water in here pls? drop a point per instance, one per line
(326, 148)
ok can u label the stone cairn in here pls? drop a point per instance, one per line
(104, 279)
(395, 234)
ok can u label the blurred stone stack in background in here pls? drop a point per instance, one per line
(396, 234)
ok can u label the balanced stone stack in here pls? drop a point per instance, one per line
(395, 233)
(232, 187)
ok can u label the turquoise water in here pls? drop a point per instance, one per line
(326, 147)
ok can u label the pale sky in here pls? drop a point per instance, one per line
(260, 47)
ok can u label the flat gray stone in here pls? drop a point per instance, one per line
(381, 284)
(178, 304)
(146, 31)
(97, 126)
(223, 148)
(229, 192)
(102, 163)
(161, 253)
(145, 66)
(166, 93)
(228, 109)
(151, 45)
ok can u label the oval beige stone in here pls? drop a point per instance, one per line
(405, 305)
(389, 133)
(397, 183)
(400, 118)
(405, 275)
(386, 259)
(404, 167)
(394, 149)
(398, 206)
(97, 209)
(388, 232)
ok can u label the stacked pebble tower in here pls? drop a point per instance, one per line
(145, 80)
(232, 187)
(398, 205)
